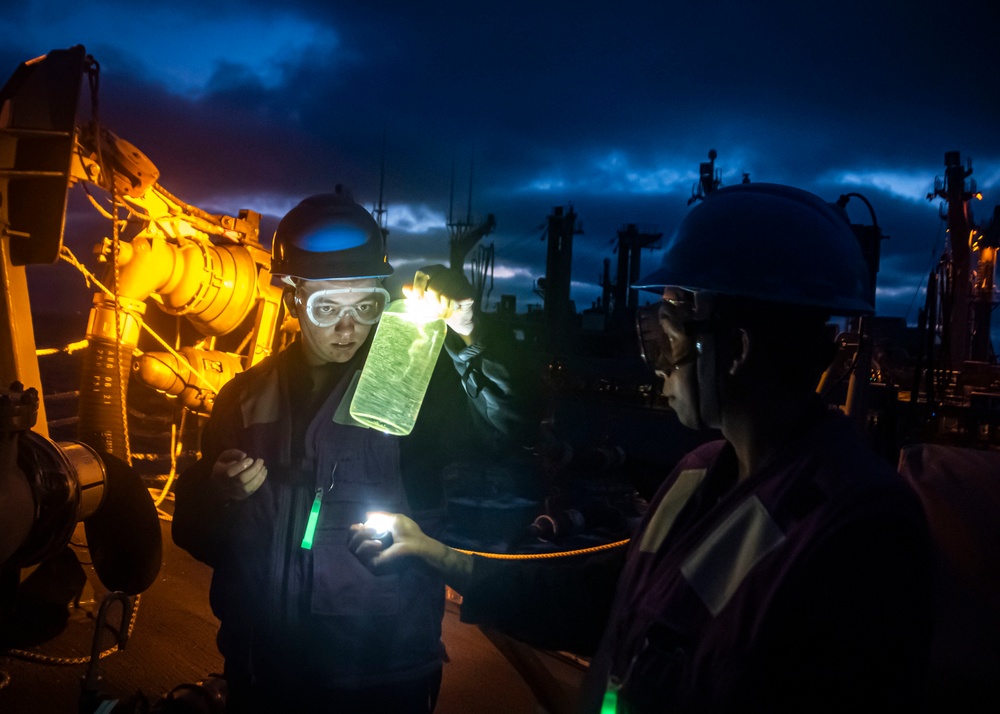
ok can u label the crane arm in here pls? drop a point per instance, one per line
(135, 181)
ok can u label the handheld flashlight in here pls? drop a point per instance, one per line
(381, 523)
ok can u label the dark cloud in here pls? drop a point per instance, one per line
(608, 108)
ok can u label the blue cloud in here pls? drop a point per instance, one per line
(186, 51)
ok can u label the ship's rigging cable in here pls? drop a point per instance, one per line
(42, 658)
(119, 324)
(578, 260)
(520, 240)
(93, 80)
(68, 349)
(96, 204)
(934, 257)
(176, 436)
(145, 218)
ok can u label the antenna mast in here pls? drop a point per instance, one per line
(463, 235)
(379, 210)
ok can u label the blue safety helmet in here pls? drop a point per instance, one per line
(767, 242)
(329, 237)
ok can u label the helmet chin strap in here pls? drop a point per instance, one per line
(719, 359)
(707, 384)
(288, 297)
(706, 367)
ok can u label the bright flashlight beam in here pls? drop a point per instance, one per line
(379, 522)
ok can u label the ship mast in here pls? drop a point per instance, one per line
(631, 240)
(562, 226)
(464, 235)
(968, 297)
(379, 210)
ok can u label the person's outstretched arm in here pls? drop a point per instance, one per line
(560, 603)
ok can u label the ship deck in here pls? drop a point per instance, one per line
(173, 642)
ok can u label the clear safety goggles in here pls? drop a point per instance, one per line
(326, 308)
(668, 334)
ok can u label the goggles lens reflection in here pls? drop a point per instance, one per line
(325, 308)
(666, 340)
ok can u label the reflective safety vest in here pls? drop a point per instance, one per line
(710, 587)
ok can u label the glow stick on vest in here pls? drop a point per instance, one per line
(307, 539)
(610, 703)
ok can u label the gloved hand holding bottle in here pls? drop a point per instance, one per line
(446, 293)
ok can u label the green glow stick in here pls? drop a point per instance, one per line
(307, 539)
(610, 703)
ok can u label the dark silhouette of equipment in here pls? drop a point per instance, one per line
(631, 241)
(48, 488)
(464, 235)
(210, 269)
(555, 289)
(957, 488)
(957, 191)
(567, 522)
(36, 144)
(956, 379)
(207, 696)
(709, 178)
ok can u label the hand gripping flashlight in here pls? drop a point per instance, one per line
(381, 523)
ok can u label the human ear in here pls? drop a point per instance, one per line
(740, 344)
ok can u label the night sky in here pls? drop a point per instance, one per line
(255, 104)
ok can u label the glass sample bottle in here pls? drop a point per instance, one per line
(394, 380)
